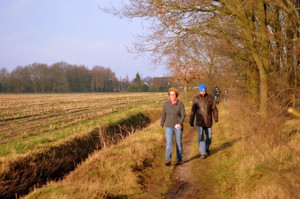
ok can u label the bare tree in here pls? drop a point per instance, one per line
(3, 79)
(57, 77)
(39, 76)
(247, 27)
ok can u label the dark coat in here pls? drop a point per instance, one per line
(217, 92)
(204, 108)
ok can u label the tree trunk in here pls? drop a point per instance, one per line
(186, 91)
(253, 85)
(263, 87)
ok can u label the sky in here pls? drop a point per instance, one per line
(73, 31)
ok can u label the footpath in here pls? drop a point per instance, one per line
(183, 185)
(204, 178)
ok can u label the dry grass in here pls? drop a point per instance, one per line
(116, 171)
(263, 157)
(251, 158)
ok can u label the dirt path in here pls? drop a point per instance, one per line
(183, 185)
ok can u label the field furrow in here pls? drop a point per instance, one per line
(27, 115)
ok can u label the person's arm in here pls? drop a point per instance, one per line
(182, 113)
(215, 111)
(193, 112)
(163, 116)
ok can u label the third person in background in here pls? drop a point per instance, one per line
(204, 108)
(217, 93)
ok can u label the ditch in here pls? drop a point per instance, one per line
(56, 162)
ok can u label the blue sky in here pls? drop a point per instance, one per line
(73, 31)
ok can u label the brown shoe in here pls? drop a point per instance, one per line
(203, 156)
(178, 162)
(168, 163)
(207, 152)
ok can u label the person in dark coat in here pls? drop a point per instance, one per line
(204, 108)
(217, 93)
(172, 117)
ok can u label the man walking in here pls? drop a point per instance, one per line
(204, 108)
(217, 93)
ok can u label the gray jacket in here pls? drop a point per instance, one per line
(172, 114)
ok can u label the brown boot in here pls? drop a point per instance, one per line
(207, 152)
(168, 163)
(178, 162)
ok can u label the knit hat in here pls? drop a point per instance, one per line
(202, 87)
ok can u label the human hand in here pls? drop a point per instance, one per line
(178, 126)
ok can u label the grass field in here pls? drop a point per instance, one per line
(28, 116)
(45, 136)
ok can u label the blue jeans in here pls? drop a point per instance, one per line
(204, 144)
(169, 132)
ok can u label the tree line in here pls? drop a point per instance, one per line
(62, 77)
(256, 42)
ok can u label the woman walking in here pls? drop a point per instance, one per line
(172, 117)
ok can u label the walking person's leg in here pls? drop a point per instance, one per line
(178, 139)
(208, 138)
(201, 141)
(169, 144)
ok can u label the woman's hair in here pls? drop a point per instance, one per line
(173, 89)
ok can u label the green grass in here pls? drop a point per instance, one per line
(36, 142)
(3, 137)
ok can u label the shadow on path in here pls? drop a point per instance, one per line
(183, 185)
(224, 145)
(214, 150)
